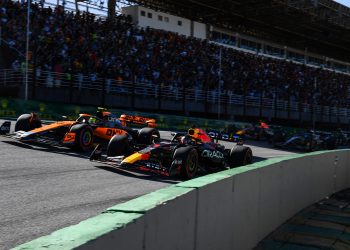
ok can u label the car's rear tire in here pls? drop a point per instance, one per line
(27, 122)
(240, 156)
(189, 161)
(84, 136)
(147, 136)
(118, 145)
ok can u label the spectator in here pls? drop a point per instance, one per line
(83, 45)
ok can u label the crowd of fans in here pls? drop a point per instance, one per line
(80, 43)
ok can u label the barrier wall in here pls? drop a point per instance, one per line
(233, 209)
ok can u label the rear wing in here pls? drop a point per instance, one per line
(137, 120)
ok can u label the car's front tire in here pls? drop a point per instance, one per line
(84, 136)
(118, 146)
(189, 161)
(27, 122)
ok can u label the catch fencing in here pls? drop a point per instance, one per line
(46, 82)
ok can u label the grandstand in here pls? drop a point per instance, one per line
(80, 58)
(322, 26)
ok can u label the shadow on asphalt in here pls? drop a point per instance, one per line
(49, 148)
(140, 175)
(257, 159)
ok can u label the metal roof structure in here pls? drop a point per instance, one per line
(320, 26)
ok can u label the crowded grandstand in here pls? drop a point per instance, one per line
(67, 45)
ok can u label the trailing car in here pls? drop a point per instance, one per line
(185, 155)
(225, 136)
(83, 132)
(257, 132)
(308, 141)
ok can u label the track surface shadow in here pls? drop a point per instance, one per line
(140, 175)
(48, 148)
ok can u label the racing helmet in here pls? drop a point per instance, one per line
(187, 139)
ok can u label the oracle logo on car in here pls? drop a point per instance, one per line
(212, 154)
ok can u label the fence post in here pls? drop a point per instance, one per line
(5, 77)
(275, 105)
(244, 105)
(159, 96)
(103, 91)
(338, 116)
(183, 100)
(206, 106)
(261, 103)
(34, 77)
(226, 105)
(70, 79)
(133, 83)
(313, 113)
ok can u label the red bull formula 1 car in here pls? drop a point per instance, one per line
(185, 155)
(85, 131)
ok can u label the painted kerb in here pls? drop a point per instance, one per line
(233, 209)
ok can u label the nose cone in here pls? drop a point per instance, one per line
(134, 158)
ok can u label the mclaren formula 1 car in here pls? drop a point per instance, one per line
(82, 133)
(185, 155)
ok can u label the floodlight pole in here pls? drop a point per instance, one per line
(27, 51)
(219, 87)
(314, 104)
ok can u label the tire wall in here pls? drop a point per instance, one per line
(233, 209)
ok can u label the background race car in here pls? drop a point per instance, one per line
(84, 132)
(185, 155)
(308, 141)
(225, 136)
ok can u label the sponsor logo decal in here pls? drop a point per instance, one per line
(69, 137)
(153, 165)
(212, 154)
(111, 132)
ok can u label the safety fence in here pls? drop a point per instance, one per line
(80, 82)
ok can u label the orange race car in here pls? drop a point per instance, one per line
(85, 131)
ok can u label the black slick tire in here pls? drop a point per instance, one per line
(146, 136)
(240, 156)
(26, 123)
(84, 136)
(118, 145)
(189, 161)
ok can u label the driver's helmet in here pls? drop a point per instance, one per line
(198, 134)
(111, 120)
(92, 120)
(187, 139)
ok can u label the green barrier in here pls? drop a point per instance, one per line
(122, 215)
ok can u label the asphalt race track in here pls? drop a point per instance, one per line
(43, 189)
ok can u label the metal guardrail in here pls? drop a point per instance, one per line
(45, 79)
